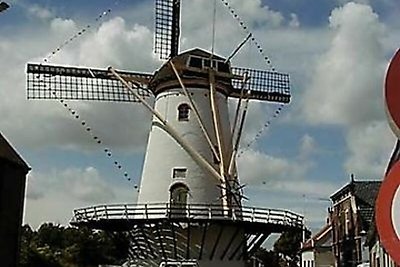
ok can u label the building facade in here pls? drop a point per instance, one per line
(13, 171)
(378, 256)
(352, 216)
(317, 251)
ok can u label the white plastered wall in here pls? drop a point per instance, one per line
(164, 153)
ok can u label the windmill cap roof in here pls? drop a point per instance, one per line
(192, 67)
(200, 52)
(8, 153)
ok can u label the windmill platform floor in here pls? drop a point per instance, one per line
(205, 235)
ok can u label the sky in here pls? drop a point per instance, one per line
(336, 53)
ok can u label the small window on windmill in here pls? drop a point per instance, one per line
(207, 63)
(223, 67)
(179, 173)
(195, 62)
(183, 112)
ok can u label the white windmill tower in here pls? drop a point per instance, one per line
(189, 209)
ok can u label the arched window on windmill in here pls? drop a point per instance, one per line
(183, 112)
(178, 199)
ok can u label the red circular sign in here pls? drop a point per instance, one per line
(392, 93)
(387, 203)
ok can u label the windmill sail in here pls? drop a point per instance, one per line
(264, 85)
(167, 28)
(73, 83)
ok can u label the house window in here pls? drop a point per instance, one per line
(183, 112)
(179, 173)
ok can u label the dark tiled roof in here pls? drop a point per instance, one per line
(366, 217)
(321, 239)
(8, 153)
(366, 191)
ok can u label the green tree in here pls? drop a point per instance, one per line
(268, 257)
(288, 245)
(55, 246)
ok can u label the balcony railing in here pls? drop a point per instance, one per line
(191, 211)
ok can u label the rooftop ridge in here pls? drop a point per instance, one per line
(7, 152)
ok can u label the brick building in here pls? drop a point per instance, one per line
(352, 217)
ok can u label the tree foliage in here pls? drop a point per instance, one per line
(57, 246)
(285, 252)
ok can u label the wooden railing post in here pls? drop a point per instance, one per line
(95, 212)
(126, 211)
(105, 211)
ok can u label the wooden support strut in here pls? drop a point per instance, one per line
(218, 133)
(203, 239)
(203, 163)
(239, 135)
(235, 234)
(221, 230)
(196, 112)
(235, 122)
(174, 239)
(144, 234)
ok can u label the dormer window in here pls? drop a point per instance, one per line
(203, 63)
(183, 112)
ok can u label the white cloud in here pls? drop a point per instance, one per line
(365, 2)
(347, 82)
(257, 14)
(83, 184)
(369, 150)
(119, 45)
(314, 190)
(294, 21)
(40, 12)
(256, 167)
(114, 43)
(54, 195)
(347, 89)
(308, 146)
(63, 26)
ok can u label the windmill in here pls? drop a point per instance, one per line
(189, 210)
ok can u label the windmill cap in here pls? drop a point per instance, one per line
(193, 67)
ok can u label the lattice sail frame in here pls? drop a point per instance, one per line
(167, 28)
(73, 83)
(265, 85)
